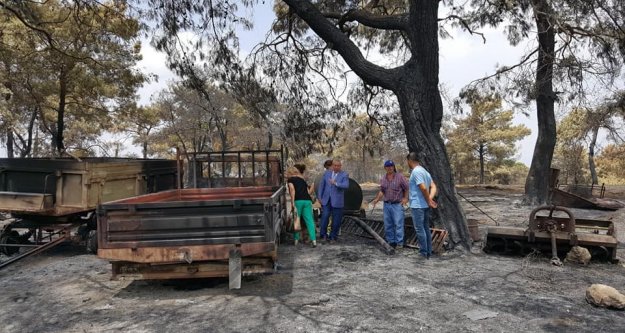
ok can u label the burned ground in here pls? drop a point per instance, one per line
(349, 287)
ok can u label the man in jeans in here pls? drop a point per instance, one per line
(420, 203)
(331, 194)
(394, 190)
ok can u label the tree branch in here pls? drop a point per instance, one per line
(465, 24)
(384, 22)
(506, 69)
(19, 16)
(336, 40)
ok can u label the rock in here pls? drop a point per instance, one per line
(578, 255)
(605, 296)
(324, 298)
(480, 314)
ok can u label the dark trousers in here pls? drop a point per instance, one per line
(337, 217)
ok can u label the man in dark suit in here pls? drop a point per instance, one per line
(331, 194)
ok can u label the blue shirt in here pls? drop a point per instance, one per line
(419, 175)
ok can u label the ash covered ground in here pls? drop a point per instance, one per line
(348, 287)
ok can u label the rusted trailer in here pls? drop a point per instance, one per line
(47, 199)
(557, 234)
(201, 232)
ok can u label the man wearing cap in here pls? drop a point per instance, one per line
(394, 190)
(422, 190)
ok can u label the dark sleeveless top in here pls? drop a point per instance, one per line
(301, 188)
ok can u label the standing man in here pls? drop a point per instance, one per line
(327, 165)
(420, 203)
(331, 194)
(394, 190)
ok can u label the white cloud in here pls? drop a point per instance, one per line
(153, 63)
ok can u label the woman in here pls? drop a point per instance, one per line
(301, 202)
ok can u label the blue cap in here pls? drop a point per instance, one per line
(389, 163)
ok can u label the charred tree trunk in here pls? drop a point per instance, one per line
(57, 136)
(591, 155)
(31, 128)
(481, 152)
(363, 164)
(431, 149)
(27, 144)
(422, 114)
(10, 145)
(537, 182)
(269, 136)
(145, 149)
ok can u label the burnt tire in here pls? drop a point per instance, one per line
(92, 242)
(11, 237)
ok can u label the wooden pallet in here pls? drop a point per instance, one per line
(410, 236)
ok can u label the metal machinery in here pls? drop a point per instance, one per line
(555, 233)
(48, 201)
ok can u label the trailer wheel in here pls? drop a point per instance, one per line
(92, 242)
(11, 237)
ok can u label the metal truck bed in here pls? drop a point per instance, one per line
(61, 187)
(189, 217)
(200, 232)
(49, 199)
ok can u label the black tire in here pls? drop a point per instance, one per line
(92, 242)
(10, 237)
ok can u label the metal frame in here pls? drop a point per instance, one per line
(200, 232)
(238, 157)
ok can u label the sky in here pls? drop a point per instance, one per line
(463, 58)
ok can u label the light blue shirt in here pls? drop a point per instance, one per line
(418, 175)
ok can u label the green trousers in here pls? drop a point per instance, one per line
(305, 212)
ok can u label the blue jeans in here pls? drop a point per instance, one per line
(420, 220)
(394, 223)
(337, 216)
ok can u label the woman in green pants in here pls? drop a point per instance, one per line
(301, 202)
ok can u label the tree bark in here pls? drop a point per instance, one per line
(28, 142)
(60, 118)
(415, 84)
(537, 182)
(591, 156)
(145, 149)
(10, 138)
(481, 152)
(430, 147)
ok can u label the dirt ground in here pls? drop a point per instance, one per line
(348, 287)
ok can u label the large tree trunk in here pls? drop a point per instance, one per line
(422, 113)
(537, 182)
(591, 155)
(429, 146)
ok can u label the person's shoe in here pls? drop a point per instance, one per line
(393, 245)
(332, 241)
(296, 243)
(421, 258)
(314, 243)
